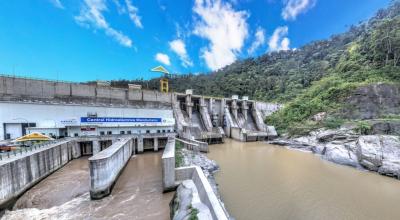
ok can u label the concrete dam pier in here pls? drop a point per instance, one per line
(210, 119)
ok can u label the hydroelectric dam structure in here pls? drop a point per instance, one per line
(111, 125)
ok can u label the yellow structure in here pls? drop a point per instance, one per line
(33, 137)
(163, 81)
(164, 85)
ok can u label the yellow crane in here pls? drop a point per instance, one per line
(163, 80)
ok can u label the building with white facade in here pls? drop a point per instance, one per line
(78, 120)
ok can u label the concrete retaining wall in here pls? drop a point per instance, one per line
(17, 87)
(106, 166)
(237, 134)
(19, 173)
(174, 176)
(194, 145)
(168, 166)
(206, 194)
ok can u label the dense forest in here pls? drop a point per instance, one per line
(311, 79)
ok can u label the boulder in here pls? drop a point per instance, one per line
(391, 156)
(387, 127)
(186, 203)
(340, 135)
(340, 154)
(292, 144)
(271, 132)
(369, 152)
(380, 153)
(198, 159)
(319, 116)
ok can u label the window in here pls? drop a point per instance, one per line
(147, 131)
(129, 132)
(169, 131)
(76, 135)
(122, 132)
(158, 131)
(163, 131)
(109, 132)
(102, 133)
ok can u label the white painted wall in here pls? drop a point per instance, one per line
(14, 129)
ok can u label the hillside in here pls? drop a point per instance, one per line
(319, 77)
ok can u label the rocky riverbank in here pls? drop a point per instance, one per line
(209, 167)
(186, 202)
(378, 153)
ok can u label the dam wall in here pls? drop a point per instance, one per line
(106, 166)
(21, 172)
(18, 88)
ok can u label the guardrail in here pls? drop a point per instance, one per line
(24, 150)
(194, 145)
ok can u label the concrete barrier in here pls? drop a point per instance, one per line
(106, 166)
(21, 172)
(206, 194)
(168, 166)
(194, 144)
(172, 177)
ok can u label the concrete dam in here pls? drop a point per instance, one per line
(113, 126)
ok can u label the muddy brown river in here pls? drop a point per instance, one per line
(261, 181)
(137, 194)
(256, 181)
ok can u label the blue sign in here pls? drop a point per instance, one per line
(117, 120)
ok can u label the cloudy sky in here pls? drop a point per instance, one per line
(79, 40)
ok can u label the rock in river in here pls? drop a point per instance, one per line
(380, 153)
(339, 154)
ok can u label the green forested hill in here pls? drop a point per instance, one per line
(313, 78)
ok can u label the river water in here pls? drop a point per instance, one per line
(137, 194)
(262, 181)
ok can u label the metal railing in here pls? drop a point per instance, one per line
(25, 150)
(35, 78)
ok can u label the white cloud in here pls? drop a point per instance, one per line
(163, 58)
(225, 28)
(91, 15)
(295, 7)
(278, 40)
(120, 8)
(179, 47)
(57, 4)
(260, 40)
(133, 14)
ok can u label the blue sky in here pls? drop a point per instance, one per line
(81, 40)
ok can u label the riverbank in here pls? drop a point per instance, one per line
(377, 153)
